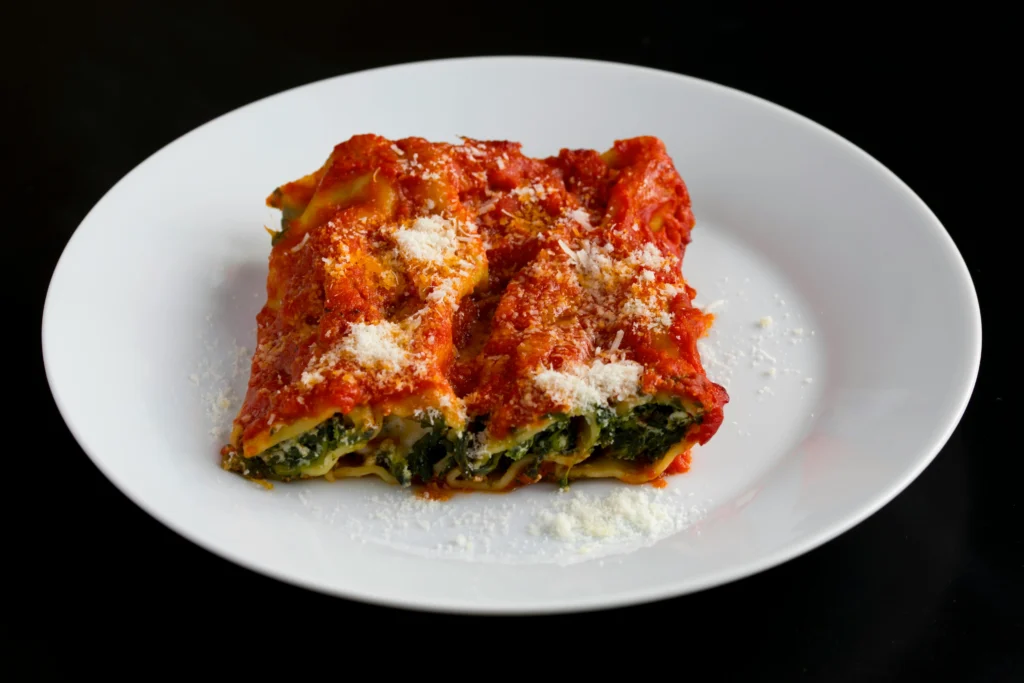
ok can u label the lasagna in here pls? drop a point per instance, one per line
(463, 316)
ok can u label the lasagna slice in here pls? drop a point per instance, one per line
(467, 317)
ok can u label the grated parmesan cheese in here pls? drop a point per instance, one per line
(217, 386)
(300, 245)
(442, 292)
(376, 345)
(648, 257)
(582, 217)
(591, 385)
(624, 514)
(309, 379)
(647, 313)
(487, 206)
(430, 238)
(618, 340)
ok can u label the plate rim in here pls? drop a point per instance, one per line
(641, 594)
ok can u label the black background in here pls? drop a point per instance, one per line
(930, 585)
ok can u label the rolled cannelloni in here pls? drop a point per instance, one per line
(467, 317)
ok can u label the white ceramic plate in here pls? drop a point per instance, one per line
(875, 341)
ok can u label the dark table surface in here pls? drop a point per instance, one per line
(930, 585)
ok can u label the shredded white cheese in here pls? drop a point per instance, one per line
(301, 244)
(377, 347)
(487, 206)
(625, 514)
(618, 340)
(582, 217)
(648, 257)
(309, 379)
(375, 344)
(216, 384)
(596, 384)
(429, 238)
(648, 313)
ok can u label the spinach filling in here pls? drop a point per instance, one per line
(290, 457)
(428, 450)
(642, 434)
(561, 436)
(645, 433)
